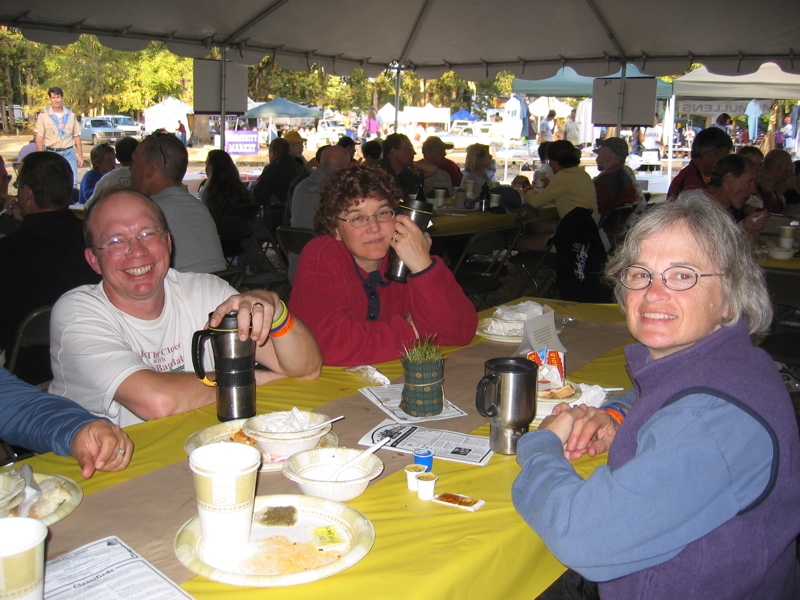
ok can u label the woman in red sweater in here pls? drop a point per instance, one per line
(341, 293)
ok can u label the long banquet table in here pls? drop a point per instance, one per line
(452, 221)
(422, 549)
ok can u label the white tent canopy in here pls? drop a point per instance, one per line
(544, 104)
(433, 36)
(768, 82)
(424, 114)
(166, 115)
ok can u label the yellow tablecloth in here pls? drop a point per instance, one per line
(422, 550)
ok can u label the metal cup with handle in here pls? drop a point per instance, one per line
(506, 395)
(234, 361)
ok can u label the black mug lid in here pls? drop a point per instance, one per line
(229, 322)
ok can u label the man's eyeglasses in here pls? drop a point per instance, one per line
(119, 244)
(359, 221)
(158, 143)
(678, 279)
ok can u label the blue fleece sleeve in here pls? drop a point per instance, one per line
(699, 462)
(36, 420)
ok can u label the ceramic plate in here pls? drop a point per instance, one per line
(483, 325)
(545, 406)
(224, 432)
(65, 508)
(311, 512)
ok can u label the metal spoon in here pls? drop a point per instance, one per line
(352, 461)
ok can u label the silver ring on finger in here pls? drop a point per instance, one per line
(121, 451)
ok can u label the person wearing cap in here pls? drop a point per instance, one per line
(296, 143)
(433, 150)
(616, 184)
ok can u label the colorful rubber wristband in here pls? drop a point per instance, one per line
(277, 321)
(615, 414)
(285, 328)
(619, 408)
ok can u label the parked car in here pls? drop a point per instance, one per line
(329, 131)
(467, 134)
(99, 129)
(127, 124)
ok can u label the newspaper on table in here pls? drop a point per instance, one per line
(107, 569)
(446, 445)
(388, 397)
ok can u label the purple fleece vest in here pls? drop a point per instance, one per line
(753, 554)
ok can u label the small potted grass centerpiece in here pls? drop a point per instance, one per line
(423, 368)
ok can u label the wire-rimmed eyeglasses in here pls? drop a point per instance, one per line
(359, 221)
(678, 279)
(119, 244)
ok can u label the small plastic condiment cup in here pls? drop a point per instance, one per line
(423, 456)
(411, 475)
(426, 486)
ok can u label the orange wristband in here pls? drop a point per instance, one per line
(285, 328)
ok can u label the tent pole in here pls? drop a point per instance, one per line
(397, 100)
(222, 117)
(671, 139)
(621, 103)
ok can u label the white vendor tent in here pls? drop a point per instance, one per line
(768, 82)
(166, 114)
(424, 114)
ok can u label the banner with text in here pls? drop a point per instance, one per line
(241, 142)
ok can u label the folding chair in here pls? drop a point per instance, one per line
(535, 263)
(614, 221)
(783, 344)
(293, 239)
(34, 330)
(233, 276)
(234, 227)
(479, 278)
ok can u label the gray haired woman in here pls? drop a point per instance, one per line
(701, 494)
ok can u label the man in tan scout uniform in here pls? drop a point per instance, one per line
(57, 130)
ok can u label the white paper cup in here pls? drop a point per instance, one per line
(411, 475)
(459, 197)
(469, 186)
(22, 558)
(440, 194)
(225, 484)
(426, 486)
(786, 236)
(494, 200)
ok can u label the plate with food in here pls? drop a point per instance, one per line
(294, 539)
(59, 497)
(231, 431)
(546, 400)
(487, 329)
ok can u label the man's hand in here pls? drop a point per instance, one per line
(582, 430)
(102, 446)
(258, 307)
(10, 204)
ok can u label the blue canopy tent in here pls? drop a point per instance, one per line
(463, 115)
(281, 108)
(567, 83)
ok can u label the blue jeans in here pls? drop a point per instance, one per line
(72, 159)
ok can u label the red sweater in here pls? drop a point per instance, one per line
(690, 178)
(329, 296)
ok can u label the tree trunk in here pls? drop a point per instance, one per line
(200, 132)
(769, 139)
